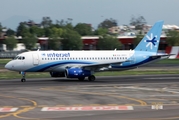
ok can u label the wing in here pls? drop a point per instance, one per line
(100, 65)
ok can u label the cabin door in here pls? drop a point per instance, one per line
(35, 59)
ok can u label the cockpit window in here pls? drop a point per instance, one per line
(16, 58)
(19, 58)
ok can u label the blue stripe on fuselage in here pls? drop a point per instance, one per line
(43, 67)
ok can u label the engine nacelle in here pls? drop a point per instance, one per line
(77, 73)
(57, 74)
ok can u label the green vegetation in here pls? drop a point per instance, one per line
(108, 42)
(4, 61)
(16, 75)
(13, 75)
(168, 61)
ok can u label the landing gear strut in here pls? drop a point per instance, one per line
(91, 78)
(23, 77)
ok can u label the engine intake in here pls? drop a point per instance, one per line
(77, 73)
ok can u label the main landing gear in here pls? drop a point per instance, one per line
(23, 77)
(90, 78)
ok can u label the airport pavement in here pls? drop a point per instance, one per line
(147, 97)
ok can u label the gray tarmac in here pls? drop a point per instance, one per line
(146, 97)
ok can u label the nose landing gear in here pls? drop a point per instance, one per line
(23, 76)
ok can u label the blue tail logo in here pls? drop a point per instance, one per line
(151, 41)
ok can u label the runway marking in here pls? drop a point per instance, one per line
(20, 111)
(7, 109)
(16, 114)
(87, 108)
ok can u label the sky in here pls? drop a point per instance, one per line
(88, 11)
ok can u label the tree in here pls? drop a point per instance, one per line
(172, 38)
(10, 32)
(0, 28)
(71, 40)
(10, 42)
(29, 41)
(46, 22)
(54, 43)
(138, 22)
(108, 23)
(107, 42)
(83, 29)
(101, 31)
(58, 32)
(22, 29)
(36, 31)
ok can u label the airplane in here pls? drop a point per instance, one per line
(81, 64)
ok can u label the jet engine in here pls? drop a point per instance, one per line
(77, 73)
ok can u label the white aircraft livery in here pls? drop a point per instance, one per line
(81, 64)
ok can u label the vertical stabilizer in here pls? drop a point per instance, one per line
(151, 40)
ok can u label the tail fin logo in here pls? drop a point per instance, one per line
(151, 41)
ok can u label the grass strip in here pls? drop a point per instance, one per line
(14, 75)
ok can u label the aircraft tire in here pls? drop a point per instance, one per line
(91, 78)
(23, 80)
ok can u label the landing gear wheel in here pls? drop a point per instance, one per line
(91, 78)
(23, 80)
(23, 76)
(81, 79)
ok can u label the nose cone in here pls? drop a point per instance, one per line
(7, 66)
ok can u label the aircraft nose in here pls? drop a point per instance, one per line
(8, 66)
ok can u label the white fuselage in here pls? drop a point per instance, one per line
(59, 60)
